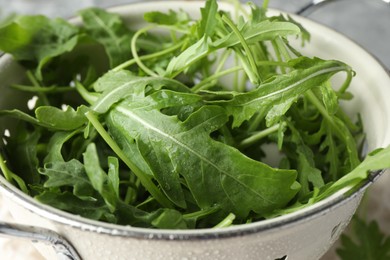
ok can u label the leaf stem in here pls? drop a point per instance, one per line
(10, 176)
(145, 179)
(149, 56)
(135, 54)
(226, 222)
(203, 84)
(256, 79)
(35, 83)
(200, 213)
(258, 136)
(52, 89)
(85, 94)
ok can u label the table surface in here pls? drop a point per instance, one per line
(365, 21)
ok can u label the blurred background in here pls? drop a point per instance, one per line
(365, 21)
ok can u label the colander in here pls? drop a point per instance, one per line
(305, 234)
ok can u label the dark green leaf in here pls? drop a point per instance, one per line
(374, 161)
(71, 174)
(186, 149)
(282, 89)
(23, 145)
(55, 145)
(100, 181)
(123, 85)
(110, 31)
(38, 39)
(367, 242)
(86, 208)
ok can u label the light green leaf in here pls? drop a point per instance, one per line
(113, 174)
(189, 56)
(208, 21)
(59, 119)
(177, 18)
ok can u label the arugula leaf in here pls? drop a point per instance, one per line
(106, 185)
(92, 209)
(56, 144)
(110, 31)
(123, 85)
(209, 20)
(170, 219)
(71, 174)
(177, 18)
(283, 89)
(24, 144)
(61, 119)
(252, 33)
(376, 160)
(187, 149)
(367, 242)
(257, 188)
(38, 39)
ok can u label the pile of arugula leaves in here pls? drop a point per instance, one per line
(173, 130)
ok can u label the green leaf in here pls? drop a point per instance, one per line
(18, 114)
(329, 98)
(283, 89)
(66, 201)
(186, 149)
(120, 85)
(208, 22)
(71, 174)
(100, 181)
(367, 242)
(59, 119)
(169, 219)
(55, 145)
(23, 145)
(376, 160)
(188, 57)
(113, 175)
(307, 170)
(110, 31)
(257, 32)
(334, 153)
(38, 39)
(177, 18)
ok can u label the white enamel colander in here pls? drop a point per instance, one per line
(306, 234)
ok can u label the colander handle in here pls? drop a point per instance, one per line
(63, 249)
